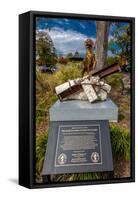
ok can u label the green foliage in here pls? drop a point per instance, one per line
(120, 44)
(76, 54)
(48, 82)
(86, 176)
(77, 177)
(69, 55)
(40, 115)
(120, 139)
(121, 116)
(45, 89)
(46, 56)
(41, 142)
(71, 71)
(112, 60)
(114, 80)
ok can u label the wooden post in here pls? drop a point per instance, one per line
(102, 29)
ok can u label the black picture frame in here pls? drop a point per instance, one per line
(27, 98)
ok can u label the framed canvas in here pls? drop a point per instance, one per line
(76, 99)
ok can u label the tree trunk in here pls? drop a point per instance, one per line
(102, 29)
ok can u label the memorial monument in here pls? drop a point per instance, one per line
(79, 139)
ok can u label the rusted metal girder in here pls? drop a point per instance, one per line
(101, 73)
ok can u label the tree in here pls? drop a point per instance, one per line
(102, 31)
(45, 50)
(120, 43)
(69, 55)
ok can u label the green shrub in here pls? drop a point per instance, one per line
(121, 116)
(120, 140)
(70, 71)
(45, 88)
(115, 80)
(40, 115)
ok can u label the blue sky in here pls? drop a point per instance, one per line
(68, 35)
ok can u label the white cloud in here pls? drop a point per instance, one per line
(66, 41)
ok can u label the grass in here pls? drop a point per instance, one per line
(76, 177)
(115, 80)
(41, 143)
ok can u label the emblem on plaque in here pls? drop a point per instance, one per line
(95, 157)
(62, 159)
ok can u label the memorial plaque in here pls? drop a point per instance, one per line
(78, 146)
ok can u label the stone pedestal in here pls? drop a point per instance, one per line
(84, 110)
(79, 139)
